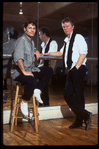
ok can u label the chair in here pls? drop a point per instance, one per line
(15, 116)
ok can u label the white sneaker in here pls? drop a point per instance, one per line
(24, 108)
(37, 94)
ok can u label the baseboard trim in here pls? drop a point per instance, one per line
(53, 112)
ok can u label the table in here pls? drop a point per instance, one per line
(50, 57)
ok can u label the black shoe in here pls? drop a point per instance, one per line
(88, 122)
(76, 124)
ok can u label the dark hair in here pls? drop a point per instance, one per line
(67, 20)
(29, 22)
(46, 31)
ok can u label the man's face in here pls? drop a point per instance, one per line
(30, 30)
(41, 35)
(68, 28)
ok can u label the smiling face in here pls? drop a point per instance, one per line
(30, 30)
(68, 28)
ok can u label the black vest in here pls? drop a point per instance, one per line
(46, 62)
(69, 55)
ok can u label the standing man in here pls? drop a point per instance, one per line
(24, 69)
(74, 53)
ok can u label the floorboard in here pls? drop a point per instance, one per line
(51, 132)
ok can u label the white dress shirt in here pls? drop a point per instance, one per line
(79, 47)
(53, 47)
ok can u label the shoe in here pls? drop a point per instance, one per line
(24, 108)
(76, 124)
(37, 94)
(88, 121)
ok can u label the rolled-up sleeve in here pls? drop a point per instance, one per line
(19, 50)
(82, 45)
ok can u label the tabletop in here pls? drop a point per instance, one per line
(50, 57)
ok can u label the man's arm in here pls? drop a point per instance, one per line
(22, 68)
(54, 54)
(83, 50)
(80, 60)
(37, 53)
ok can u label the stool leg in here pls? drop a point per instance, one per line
(35, 115)
(37, 104)
(18, 102)
(17, 109)
(11, 99)
(15, 105)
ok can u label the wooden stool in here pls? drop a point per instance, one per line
(17, 105)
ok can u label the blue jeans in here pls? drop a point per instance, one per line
(30, 83)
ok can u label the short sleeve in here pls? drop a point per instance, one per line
(19, 50)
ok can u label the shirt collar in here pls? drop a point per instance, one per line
(68, 39)
(43, 44)
(27, 38)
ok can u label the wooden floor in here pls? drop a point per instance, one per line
(51, 132)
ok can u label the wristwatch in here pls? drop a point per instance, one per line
(77, 66)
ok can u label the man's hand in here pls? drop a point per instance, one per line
(80, 60)
(37, 53)
(28, 73)
(22, 68)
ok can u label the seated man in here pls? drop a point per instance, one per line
(24, 69)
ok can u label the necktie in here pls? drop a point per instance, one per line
(64, 58)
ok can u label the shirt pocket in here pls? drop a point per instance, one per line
(27, 58)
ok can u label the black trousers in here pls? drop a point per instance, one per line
(30, 83)
(74, 92)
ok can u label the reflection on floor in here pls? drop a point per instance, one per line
(56, 95)
(51, 132)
